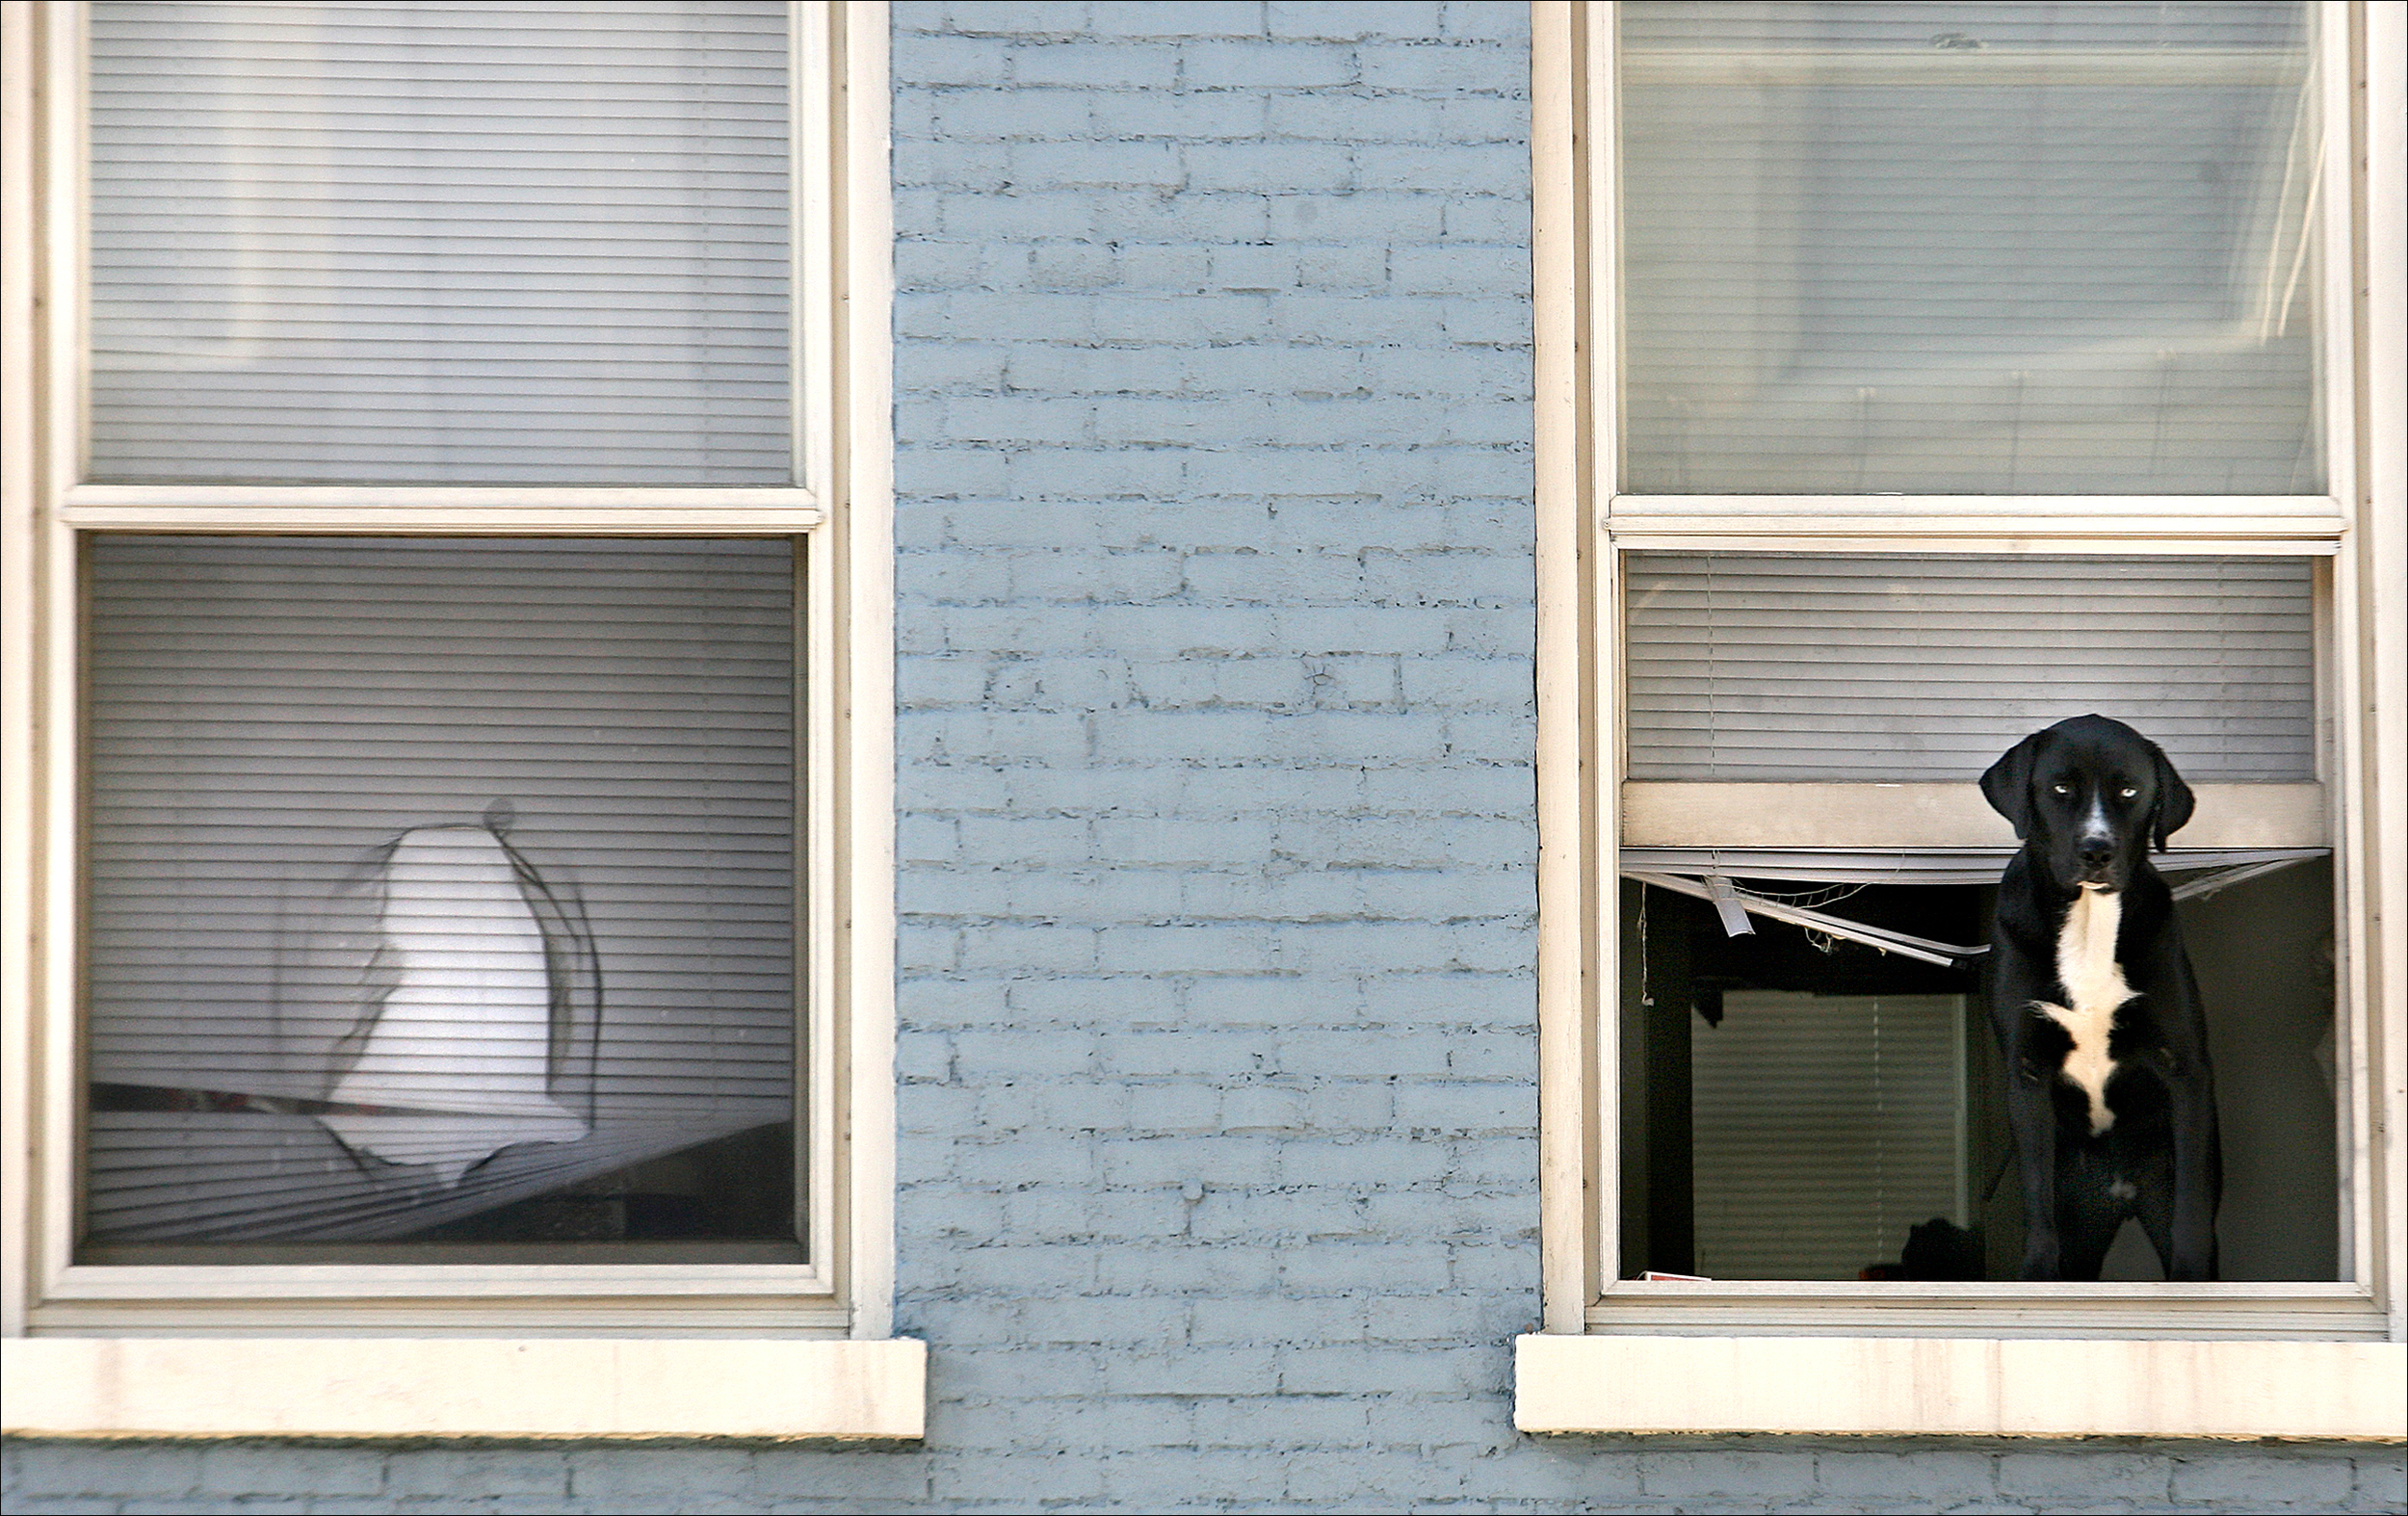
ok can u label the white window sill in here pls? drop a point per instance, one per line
(463, 1387)
(2024, 1387)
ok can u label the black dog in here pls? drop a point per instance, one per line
(2107, 1084)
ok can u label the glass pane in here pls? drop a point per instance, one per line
(1916, 666)
(1980, 249)
(440, 243)
(441, 892)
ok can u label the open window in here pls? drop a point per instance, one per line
(1914, 378)
(448, 853)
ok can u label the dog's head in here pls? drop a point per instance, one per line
(2091, 795)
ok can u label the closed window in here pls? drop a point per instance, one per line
(454, 701)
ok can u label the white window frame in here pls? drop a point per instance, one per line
(73, 1330)
(2150, 1359)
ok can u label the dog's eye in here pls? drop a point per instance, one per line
(2127, 791)
(2061, 789)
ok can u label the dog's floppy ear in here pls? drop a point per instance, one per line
(2175, 802)
(2007, 786)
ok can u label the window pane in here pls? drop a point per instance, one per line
(441, 890)
(1976, 248)
(443, 244)
(1907, 667)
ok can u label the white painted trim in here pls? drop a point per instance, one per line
(820, 1092)
(63, 222)
(455, 497)
(20, 582)
(2336, 296)
(1605, 751)
(456, 1387)
(62, 361)
(1562, 790)
(761, 520)
(2235, 1310)
(429, 1281)
(866, 849)
(1660, 812)
(2014, 67)
(2380, 1129)
(843, 517)
(2069, 515)
(812, 172)
(1906, 1386)
(1993, 534)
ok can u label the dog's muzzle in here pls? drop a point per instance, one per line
(2096, 863)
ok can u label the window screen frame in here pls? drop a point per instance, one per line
(1587, 811)
(837, 509)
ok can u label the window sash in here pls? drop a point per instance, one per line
(627, 903)
(1624, 510)
(470, 245)
(839, 510)
(1780, 328)
(1704, 813)
(820, 148)
(1742, 664)
(1589, 521)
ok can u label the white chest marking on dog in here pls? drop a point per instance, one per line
(2094, 981)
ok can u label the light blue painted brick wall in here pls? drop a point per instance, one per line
(1216, 585)
(1217, 1049)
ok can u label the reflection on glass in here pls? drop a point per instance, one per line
(1980, 249)
(464, 1022)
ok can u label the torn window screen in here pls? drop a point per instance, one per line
(1709, 874)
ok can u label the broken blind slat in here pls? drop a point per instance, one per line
(440, 243)
(428, 875)
(1970, 249)
(1843, 667)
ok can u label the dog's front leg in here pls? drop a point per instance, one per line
(2018, 983)
(2032, 1113)
(2170, 993)
(2198, 1165)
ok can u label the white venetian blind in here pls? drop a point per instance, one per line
(1825, 1127)
(440, 242)
(1911, 667)
(1937, 247)
(429, 875)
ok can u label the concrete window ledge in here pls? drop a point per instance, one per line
(463, 1387)
(1893, 1386)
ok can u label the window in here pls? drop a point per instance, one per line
(447, 708)
(1915, 377)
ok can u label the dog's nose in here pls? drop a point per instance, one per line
(2095, 850)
